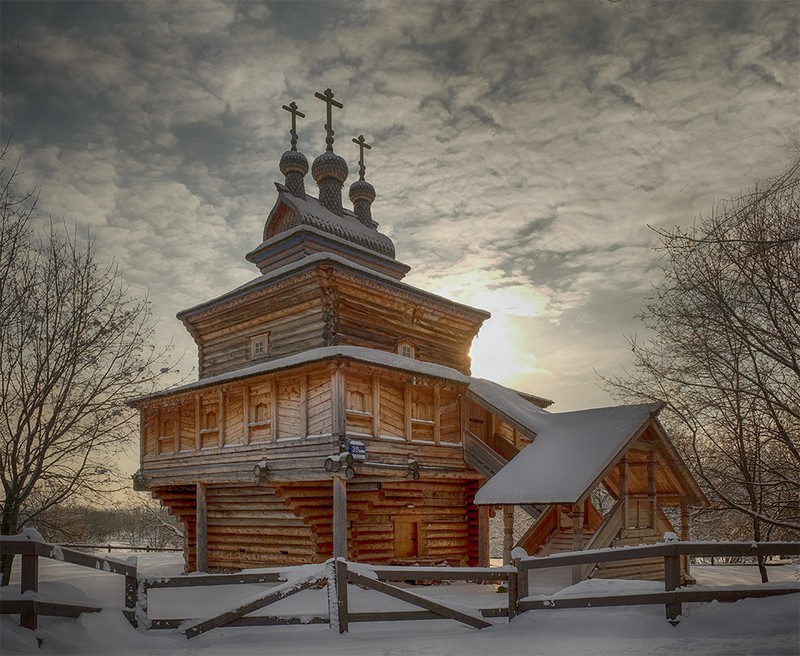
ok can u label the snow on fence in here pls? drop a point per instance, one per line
(338, 574)
(28, 605)
(673, 596)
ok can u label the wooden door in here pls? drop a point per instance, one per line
(406, 538)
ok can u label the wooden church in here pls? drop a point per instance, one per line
(335, 414)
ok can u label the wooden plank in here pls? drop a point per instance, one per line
(201, 524)
(254, 620)
(29, 582)
(672, 581)
(339, 517)
(341, 595)
(513, 592)
(441, 609)
(215, 579)
(274, 595)
(635, 599)
(34, 607)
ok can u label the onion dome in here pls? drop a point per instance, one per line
(362, 195)
(330, 171)
(294, 166)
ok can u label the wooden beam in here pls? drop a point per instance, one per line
(577, 539)
(623, 492)
(339, 517)
(201, 528)
(29, 582)
(274, 595)
(508, 533)
(483, 536)
(273, 410)
(303, 405)
(246, 413)
(437, 420)
(198, 438)
(376, 406)
(341, 595)
(685, 536)
(407, 411)
(440, 609)
(651, 488)
(221, 418)
(338, 400)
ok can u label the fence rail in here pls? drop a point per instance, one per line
(338, 574)
(31, 550)
(671, 552)
(122, 547)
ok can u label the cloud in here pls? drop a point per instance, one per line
(519, 150)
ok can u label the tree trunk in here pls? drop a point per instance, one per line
(8, 526)
(762, 568)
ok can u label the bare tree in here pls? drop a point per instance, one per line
(725, 353)
(74, 344)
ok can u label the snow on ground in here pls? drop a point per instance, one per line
(766, 627)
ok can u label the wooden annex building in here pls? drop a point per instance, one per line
(335, 414)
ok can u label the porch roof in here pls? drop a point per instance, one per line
(570, 451)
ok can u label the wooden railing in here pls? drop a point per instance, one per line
(672, 596)
(337, 574)
(29, 608)
(121, 547)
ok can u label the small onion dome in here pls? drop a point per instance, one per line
(329, 165)
(361, 190)
(330, 171)
(362, 193)
(294, 166)
(293, 161)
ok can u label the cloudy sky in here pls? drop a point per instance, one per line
(520, 149)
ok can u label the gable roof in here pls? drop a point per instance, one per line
(570, 450)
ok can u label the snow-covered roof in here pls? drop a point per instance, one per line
(274, 275)
(569, 452)
(358, 353)
(310, 211)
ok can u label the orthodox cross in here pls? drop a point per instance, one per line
(362, 169)
(327, 98)
(292, 109)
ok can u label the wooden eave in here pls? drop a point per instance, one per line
(299, 362)
(527, 431)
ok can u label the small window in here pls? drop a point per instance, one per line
(259, 346)
(405, 347)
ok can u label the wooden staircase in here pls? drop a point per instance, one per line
(487, 462)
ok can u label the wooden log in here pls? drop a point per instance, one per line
(341, 595)
(201, 529)
(339, 517)
(418, 600)
(29, 582)
(281, 592)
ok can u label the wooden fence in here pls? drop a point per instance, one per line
(338, 574)
(671, 552)
(30, 607)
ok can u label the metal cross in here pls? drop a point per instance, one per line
(362, 169)
(327, 98)
(292, 109)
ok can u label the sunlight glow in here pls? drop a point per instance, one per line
(505, 349)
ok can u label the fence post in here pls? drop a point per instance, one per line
(672, 581)
(132, 595)
(341, 595)
(513, 594)
(522, 577)
(29, 580)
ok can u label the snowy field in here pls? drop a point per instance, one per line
(753, 626)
